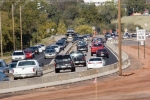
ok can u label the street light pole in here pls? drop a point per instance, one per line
(120, 42)
(13, 26)
(21, 28)
(1, 36)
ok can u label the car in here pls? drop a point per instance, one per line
(56, 47)
(64, 38)
(78, 58)
(95, 47)
(75, 39)
(62, 41)
(18, 55)
(39, 48)
(43, 46)
(27, 68)
(3, 66)
(11, 66)
(102, 53)
(63, 62)
(3, 77)
(62, 45)
(81, 38)
(32, 50)
(50, 53)
(95, 62)
(82, 45)
(29, 54)
(133, 35)
(36, 50)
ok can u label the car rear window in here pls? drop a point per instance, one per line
(104, 50)
(26, 63)
(97, 45)
(63, 58)
(95, 59)
(18, 53)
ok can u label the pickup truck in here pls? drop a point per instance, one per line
(96, 47)
(27, 68)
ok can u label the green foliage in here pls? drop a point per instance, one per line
(61, 27)
(135, 6)
(83, 29)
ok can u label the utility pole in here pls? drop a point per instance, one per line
(21, 28)
(13, 26)
(120, 42)
(1, 35)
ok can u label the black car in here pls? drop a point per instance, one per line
(63, 62)
(61, 44)
(81, 38)
(65, 39)
(102, 53)
(82, 45)
(133, 35)
(78, 58)
(75, 39)
(36, 50)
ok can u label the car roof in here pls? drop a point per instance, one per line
(18, 51)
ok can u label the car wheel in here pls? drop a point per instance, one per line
(44, 57)
(57, 70)
(107, 56)
(73, 69)
(38, 53)
(91, 54)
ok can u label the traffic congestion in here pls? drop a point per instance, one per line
(24, 64)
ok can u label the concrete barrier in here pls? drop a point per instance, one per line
(58, 79)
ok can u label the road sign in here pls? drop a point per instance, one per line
(141, 35)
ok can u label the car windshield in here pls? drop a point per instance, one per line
(76, 54)
(50, 51)
(62, 58)
(33, 48)
(18, 53)
(95, 59)
(97, 45)
(80, 37)
(59, 43)
(82, 43)
(54, 46)
(26, 63)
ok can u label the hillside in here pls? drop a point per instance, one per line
(143, 21)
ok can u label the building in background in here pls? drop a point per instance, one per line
(97, 2)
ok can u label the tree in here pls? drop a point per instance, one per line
(83, 29)
(61, 27)
(135, 6)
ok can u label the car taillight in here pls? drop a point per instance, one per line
(71, 62)
(12, 71)
(99, 62)
(33, 70)
(55, 64)
(90, 63)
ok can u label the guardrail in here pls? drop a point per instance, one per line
(58, 79)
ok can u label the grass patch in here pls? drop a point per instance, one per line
(143, 21)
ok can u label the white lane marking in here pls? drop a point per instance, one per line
(40, 58)
(112, 52)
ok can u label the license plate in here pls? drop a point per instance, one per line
(63, 66)
(23, 75)
(102, 54)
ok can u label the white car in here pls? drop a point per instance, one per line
(95, 62)
(56, 47)
(27, 68)
(43, 46)
(40, 48)
(18, 55)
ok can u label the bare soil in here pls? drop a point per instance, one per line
(134, 84)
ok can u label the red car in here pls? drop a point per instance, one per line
(29, 54)
(95, 47)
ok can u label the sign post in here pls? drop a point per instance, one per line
(141, 36)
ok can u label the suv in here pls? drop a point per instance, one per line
(78, 57)
(82, 45)
(18, 55)
(63, 62)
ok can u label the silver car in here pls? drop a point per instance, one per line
(50, 53)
